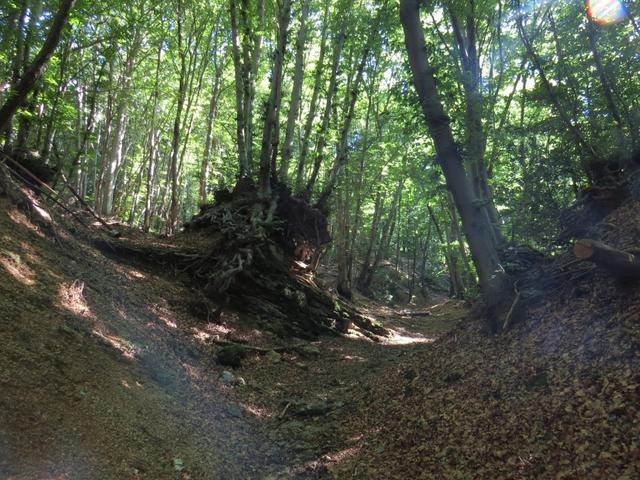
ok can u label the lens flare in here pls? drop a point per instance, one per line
(606, 12)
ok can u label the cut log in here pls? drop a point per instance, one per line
(623, 265)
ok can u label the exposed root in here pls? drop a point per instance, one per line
(251, 254)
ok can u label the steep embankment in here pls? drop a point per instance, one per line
(102, 376)
(556, 397)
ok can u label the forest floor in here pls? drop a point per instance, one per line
(106, 372)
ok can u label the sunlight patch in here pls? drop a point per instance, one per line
(398, 339)
(257, 411)
(71, 297)
(606, 12)
(14, 265)
(20, 219)
(125, 347)
(163, 314)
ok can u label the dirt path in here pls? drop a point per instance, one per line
(105, 373)
(314, 398)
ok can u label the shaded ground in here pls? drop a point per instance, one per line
(106, 373)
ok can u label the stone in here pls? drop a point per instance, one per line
(232, 355)
(308, 351)
(227, 378)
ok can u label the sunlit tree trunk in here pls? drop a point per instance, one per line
(270, 133)
(296, 93)
(152, 144)
(475, 141)
(326, 116)
(317, 83)
(341, 147)
(208, 143)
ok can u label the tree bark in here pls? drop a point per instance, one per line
(270, 133)
(306, 137)
(326, 117)
(296, 93)
(607, 89)
(623, 265)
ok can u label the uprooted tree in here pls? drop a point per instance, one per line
(255, 255)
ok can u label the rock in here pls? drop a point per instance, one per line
(232, 355)
(311, 409)
(235, 411)
(308, 351)
(537, 381)
(227, 378)
(273, 356)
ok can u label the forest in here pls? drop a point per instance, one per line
(273, 239)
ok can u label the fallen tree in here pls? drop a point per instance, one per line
(623, 265)
(256, 256)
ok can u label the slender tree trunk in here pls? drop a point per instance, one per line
(385, 239)
(113, 156)
(152, 143)
(607, 89)
(296, 93)
(373, 236)
(341, 147)
(591, 154)
(326, 117)
(306, 137)
(270, 133)
(343, 286)
(208, 144)
(475, 141)
(241, 121)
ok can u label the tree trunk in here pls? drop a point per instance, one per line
(341, 147)
(296, 93)
(270, 133)
(623, 265)
(326, 117)
(211, 117)
(21, 89)
(607, 90)
(306, 137)
(343, 286)
(493, 279)
(579, 139)
(475, 141)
